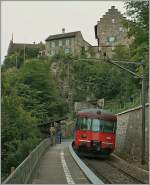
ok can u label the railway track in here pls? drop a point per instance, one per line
(110, 173)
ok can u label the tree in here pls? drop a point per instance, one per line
(138, 11)
(121, 53)
(19, 132)
(38, 91)
(29, 96)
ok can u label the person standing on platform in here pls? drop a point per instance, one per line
(59, 134)
(53, 135)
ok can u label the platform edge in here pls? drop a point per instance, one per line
(89, 174)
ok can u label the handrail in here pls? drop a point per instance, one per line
(23, 173)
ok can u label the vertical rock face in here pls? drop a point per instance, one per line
(110, 31)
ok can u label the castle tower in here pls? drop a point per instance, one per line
(110, 31)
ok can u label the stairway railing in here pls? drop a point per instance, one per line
(22, 174)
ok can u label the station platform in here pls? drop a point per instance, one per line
(57, 166)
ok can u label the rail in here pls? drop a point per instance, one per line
(22, 174)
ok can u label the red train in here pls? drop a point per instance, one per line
(95, 132)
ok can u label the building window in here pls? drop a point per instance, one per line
(112, 48)
(60, 42)
(52, 52)
(111, 39)
(82, 50)
(100, 48)
(86, 48)
(53, 44)
(67, 42)
(67, 50)
(121, 29)
(113, 21)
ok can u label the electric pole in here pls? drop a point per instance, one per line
(16, 62)
(143, 116)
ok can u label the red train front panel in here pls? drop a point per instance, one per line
(89, 135)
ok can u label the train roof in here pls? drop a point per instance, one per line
(97, 113)
(92, 110)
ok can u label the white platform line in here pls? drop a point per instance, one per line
(66, 170)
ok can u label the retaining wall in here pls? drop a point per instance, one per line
(129, 133)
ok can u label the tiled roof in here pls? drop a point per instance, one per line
(63, 35)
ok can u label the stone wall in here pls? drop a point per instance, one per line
(129, 132)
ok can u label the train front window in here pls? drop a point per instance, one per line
(85, 123)
(108, 126)
(96, 125)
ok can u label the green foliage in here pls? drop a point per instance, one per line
(18, 126)
(29, 96)
(10, 61)
(138, 11)
(61, 56)
(121, 53)
(17, 59)
(99, 80)
(38, 91)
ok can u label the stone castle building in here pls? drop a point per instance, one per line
(110, 31)
(68, 43)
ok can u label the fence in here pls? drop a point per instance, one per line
(116, 106)
(23, 173)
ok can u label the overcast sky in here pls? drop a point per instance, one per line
(34, 21)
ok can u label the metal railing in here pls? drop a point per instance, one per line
(22, 174)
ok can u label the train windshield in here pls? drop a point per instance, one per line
(95, 125)
(108, 126)
(103, 126)
(84, 123)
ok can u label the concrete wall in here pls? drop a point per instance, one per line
(129, 130)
